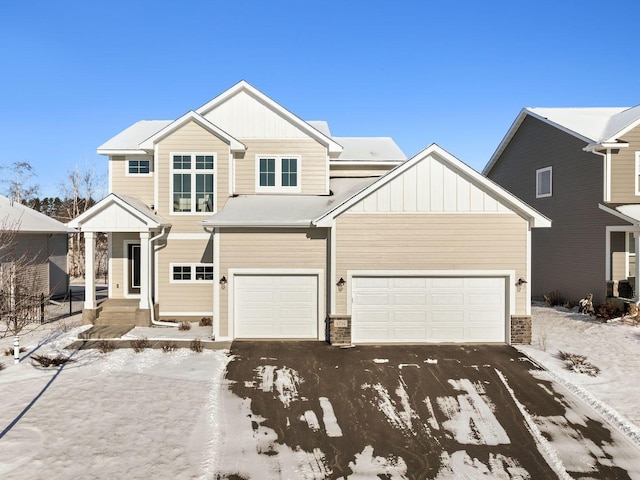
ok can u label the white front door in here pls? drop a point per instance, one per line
(275, 306)
(428, 309)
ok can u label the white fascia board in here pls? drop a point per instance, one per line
(605, 145)
(301, 224)
(332, 146)
(620, 215)
(106, 202)
(111, 151)
(234, 144)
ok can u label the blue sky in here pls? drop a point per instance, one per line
(75, 73)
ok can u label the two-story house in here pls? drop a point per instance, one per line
(581, 168)
(243, 212)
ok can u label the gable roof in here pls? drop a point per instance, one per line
(192, 116)
(596, 126)
(131, 205)
(15, 216)
(243, 86)
(515, 204)
(369, 149)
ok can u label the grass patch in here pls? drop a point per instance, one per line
(196, 345)
(106, 346)
(554, 299)
(9, 351)
(578, 363)
(139, 344)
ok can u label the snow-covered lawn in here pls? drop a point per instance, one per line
(613, 347)
(160, 415)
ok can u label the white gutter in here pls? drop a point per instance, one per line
(151, 305)
(606, 167)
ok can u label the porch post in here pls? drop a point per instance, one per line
(144, 270)
(90, 270)
(636, 236)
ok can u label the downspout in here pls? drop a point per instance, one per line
(606, 167)
(151, 305)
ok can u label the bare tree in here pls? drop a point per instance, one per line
(18, 178)
(19, 301)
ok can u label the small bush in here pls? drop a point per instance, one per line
(578, 363)
(607, 311)
(184, 326)
(139, 344)
(106, 346)
(168, 347)
(570, 305)
(196, 345)
(205, 322)
(9, 351)
(554, 299)
(1, 366)
(45, 361)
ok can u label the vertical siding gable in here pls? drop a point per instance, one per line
(245, 117)
(430, 186)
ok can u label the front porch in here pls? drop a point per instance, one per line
(120, 311)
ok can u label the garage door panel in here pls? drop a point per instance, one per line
(429, 309)
(276, 306)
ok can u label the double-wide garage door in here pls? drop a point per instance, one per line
(276, 306)
(428, 309)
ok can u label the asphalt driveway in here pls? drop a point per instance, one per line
(309, 410)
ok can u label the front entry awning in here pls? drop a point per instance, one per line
(119, 213)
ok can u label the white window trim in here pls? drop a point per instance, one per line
(147, 159)
(278, 188)
(192, 266)
(538, 172)
(192, 171)
(638, 173)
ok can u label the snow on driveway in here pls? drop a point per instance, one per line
(289, 410)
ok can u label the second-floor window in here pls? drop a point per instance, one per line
(138, 166)
(193, 180)
(277, 173)
(543, 182)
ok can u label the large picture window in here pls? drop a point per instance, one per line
(193, 182)
(278, 174)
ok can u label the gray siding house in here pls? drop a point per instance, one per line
(580, 167)
(37, 243)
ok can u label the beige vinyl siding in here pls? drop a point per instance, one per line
(313, 163)
(190, 138)
(268, 249)
(570, 256)
(119, 262)
(623, 170)
(137, 186)
(189, 296)
(430, 242)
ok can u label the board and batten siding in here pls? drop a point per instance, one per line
(456, 241)
(268, 249)
(570, 256)
(140, 186)
(194, 297)
(623, 170)
(190, 138)
(312, 168)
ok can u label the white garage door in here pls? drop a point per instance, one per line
(428, 309)
(276, 306)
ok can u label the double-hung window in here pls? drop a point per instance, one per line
(191, 272)
(544, 182)
(193, 180)
(278, 174)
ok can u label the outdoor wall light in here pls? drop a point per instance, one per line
(341, 283)
(223, 282)
(521, 281)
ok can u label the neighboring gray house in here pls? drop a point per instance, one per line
(43, 241)
(581, 168)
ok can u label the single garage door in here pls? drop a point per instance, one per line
(276, 306)
(428, 309)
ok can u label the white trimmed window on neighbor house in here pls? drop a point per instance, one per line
(544, 182)
(193, 180)
(278, 173)
(191, 272)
